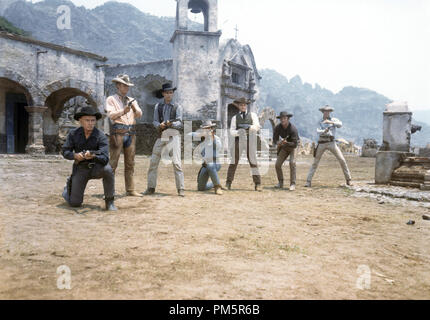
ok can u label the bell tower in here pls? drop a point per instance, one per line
(196, 72)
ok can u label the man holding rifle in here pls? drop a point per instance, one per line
(245, 125)
(167, 116)
(286, 148)
(123, 112)
(88, 146)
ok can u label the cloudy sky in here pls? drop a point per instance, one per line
(383, 45)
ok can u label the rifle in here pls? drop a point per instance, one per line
(168, 125)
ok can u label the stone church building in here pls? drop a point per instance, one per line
(209, 74)
(41, 83)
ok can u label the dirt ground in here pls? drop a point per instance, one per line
(309, 244)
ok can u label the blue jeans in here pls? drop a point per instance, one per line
(211, 170)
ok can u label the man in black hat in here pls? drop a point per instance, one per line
(167, 115)
(245, 123)
(89, 148)
(286, 148)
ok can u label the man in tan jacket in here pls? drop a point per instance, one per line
(123, 112)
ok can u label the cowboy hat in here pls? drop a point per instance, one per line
(208, 124)
(326, 108)
(284, 114)
(87, 111)
(164, 87)
(124, 79)
(240, 101)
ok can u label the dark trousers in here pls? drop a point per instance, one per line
(252, 162)
(80, 177)
(283, 154)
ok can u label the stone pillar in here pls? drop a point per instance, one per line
(35, 130)
(397, 128)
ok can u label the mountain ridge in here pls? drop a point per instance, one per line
(127, 35)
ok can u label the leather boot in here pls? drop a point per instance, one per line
(133, 194)
(110, 205)
(280, 185)
(149, 192)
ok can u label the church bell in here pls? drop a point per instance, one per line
(195, 6)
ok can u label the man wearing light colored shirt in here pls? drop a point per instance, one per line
(245, 123)
(326, 141)
(123, 112)
(208, 150)
(167, 116)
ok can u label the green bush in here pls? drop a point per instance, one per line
(9, 27)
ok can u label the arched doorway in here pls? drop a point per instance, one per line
(13, 116)
(232, 110)
(58, 121)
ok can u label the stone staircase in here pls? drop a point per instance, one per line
(413, 172)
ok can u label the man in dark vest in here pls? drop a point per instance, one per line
(286, 138)
(245, 125)
(89, 148)
(167, 116)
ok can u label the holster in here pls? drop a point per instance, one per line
(315, 151)
(126, 131)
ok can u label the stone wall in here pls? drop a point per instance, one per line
(147, 77)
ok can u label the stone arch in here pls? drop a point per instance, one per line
(207, 7)
(14, 117)
(57, 96)
(57, 93)
(144, 92)
(232, 110)
(200, 6)
(32, 91)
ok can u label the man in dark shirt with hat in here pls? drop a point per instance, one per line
(89, 148)
(286, 148)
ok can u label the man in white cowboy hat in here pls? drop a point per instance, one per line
(167, 116)
(209, 149)
(245, 123)
(327, 141)
(123, 112)
(286, 138)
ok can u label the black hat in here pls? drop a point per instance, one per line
(285, 114)
(165, 87)
(87, 111)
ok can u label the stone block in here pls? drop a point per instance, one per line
(386, 163)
